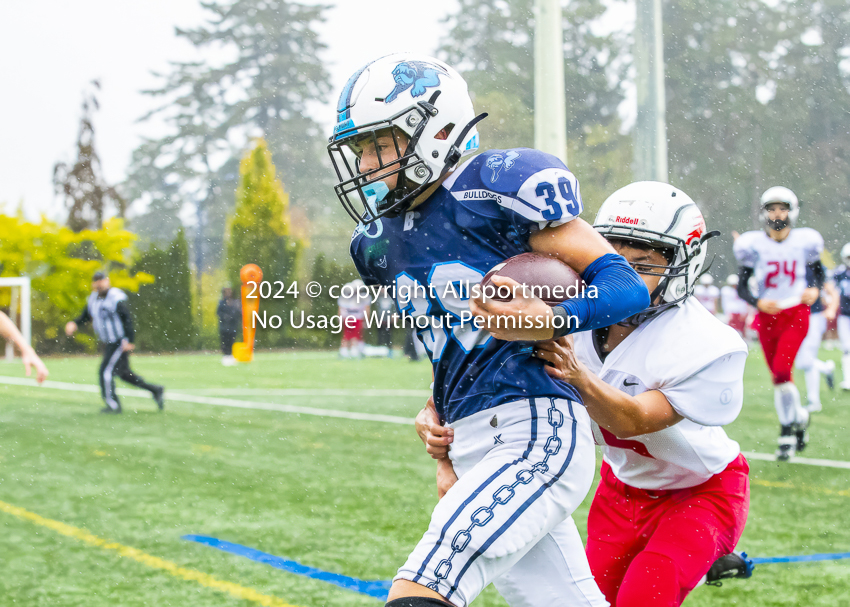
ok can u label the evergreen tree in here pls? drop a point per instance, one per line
(259, 230)
(86, 194)
(163, 311)
(808, 146)
(213, 109)
(751, 104)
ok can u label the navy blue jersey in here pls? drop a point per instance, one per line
(841, 277)
(818, 307)
(482, 214)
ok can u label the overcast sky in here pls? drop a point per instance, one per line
(51, 49)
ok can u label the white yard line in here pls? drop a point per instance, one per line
(807, 461)
(424, 394)
(215, 401)
(388, 419)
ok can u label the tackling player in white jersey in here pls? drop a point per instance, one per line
(674, 494)
(707, 293)
(735, 309)
(787, 267)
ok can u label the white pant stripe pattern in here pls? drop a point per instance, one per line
(514, 487)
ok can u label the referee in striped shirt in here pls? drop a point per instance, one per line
(107, 309)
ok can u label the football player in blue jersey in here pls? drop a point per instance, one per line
(430, 228)
(842, 282)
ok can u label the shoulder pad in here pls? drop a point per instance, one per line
(811, 237)
(505, 171)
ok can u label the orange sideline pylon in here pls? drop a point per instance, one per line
(244, 351)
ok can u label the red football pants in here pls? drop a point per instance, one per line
(651, 548)
(780, 336)
(352, 329)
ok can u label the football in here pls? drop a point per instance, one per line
(550, 279)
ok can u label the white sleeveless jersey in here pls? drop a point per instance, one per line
(697, 362)
(780, 267)
(732, 302)
(707, 295)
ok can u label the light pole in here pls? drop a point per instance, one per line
(650, 151)
(550, 106)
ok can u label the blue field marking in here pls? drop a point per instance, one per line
(802, 558)
(374, 588)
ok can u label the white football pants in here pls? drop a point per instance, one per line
(523, 468)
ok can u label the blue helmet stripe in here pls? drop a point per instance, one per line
(343, 108)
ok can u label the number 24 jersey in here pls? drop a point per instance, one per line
(779, 267)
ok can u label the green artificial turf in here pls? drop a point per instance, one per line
(345, 496)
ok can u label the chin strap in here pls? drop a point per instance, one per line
(454, 152)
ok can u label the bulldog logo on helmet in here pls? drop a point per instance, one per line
(417, 76)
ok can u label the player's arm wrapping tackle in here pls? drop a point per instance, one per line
(623, 415)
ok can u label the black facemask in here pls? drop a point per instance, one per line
(777, 225)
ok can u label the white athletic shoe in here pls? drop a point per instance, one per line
(787, 443)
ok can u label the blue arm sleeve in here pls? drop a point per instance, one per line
(620, 294)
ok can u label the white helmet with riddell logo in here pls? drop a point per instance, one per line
(784, 196)
(417, 95)
(663, 217)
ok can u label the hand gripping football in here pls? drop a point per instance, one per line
(548, 278)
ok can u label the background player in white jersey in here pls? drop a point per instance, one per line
(841, 277)
(707, 293)
(823, 310)
(353, 311)
(789, 274)
(675, 492)
(735, 309)
(523, 446)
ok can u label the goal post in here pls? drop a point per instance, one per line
(20, 306)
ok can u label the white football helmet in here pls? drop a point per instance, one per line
(662, 217)
(706, 280)
(418, 95)
(784, 196)
(845, 254)
(732, 280)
